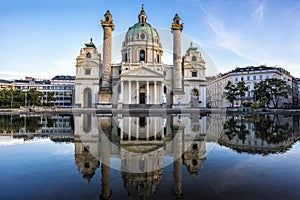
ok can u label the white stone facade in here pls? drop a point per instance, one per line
(141, 79)
(251, 76)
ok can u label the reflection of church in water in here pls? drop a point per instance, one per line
(141, 143)
(141, 79)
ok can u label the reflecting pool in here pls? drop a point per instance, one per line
(157, 156)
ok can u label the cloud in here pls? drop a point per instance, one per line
(258, 14)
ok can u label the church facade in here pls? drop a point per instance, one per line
(141, 79)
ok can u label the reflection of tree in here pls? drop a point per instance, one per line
(33, 124)
(271, 129)
(232, 128)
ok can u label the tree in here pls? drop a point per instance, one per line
(271, 90)
(241, 90)
(50, 99)
(34, 97)
(230, 92)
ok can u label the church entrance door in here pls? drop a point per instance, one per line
(142, 98)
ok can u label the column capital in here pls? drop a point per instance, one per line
(108, 22)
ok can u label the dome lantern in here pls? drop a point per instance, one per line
(142, 16)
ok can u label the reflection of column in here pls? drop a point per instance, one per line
(177, 188)
(122, 129)
(137, 92)
(105, 168)
(129, 128)
(137, 128)
(147, 93)
(147, 126)
(106, 192)
(155, 92)
(155, 128)
(129, 92)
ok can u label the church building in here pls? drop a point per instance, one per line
(141, 80)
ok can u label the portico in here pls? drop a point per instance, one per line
(141, 86)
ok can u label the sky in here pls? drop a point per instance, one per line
(42, 38)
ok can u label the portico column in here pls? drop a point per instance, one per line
(137, 92)
(155, 93)
(129, 92)
(147, 92)
(162, 91)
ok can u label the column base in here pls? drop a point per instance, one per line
(105, 97)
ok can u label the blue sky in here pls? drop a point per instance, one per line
(42, 38)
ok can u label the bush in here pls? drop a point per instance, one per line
(255, 105)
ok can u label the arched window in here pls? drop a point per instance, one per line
(142, 55)
(158, 61)
(88, 55)
(87, 98)
(194, 58)
(107, 18)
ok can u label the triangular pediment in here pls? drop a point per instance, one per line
(142, 72)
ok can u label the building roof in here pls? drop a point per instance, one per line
(5, 81)
(91, 44)
(257, 68)
(63, 77)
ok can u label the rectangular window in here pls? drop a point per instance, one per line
(236, 79)
(194, 74)
(87, 72)
(248, 78)
(254, 77)
(260, 77)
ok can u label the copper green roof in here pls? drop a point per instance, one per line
(90, 45)
(146, 28)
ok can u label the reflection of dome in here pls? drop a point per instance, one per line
(141, 185)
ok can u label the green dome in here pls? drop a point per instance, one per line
(137, 30)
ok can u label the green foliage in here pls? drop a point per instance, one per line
(34, 97)
(255, 105)
(50, 99)
(242, 89)
(16, 98)
(271, 90)
(230, 92)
